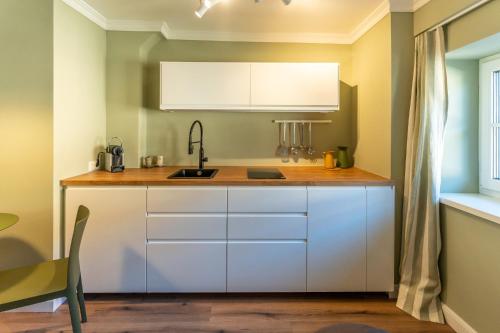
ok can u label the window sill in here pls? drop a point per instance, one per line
(480, 205)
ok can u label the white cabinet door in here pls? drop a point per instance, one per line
(186, 266)
(295, 84)
(266, 266)
(336, 253)
(204, 85)
(380, 238)
(113, 249)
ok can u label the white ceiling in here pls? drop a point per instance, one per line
(269, 16)
(335, 21)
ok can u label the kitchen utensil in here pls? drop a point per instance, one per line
(280, 142)
(310, 149)
(302, 147)
(343, 160)
(283, 152)
(294, 150)
(328, 159)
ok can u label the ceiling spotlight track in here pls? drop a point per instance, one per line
(205, 5)
(286, 2)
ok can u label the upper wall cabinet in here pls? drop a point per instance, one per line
(313, 86)
(249, 86)
(204, 85)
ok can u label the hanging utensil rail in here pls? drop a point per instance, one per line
(302, 121)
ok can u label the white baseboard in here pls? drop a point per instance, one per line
(455, 321)
(49, 306)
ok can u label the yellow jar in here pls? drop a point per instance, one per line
(328, 159)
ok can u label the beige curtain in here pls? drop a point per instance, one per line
(420, 283)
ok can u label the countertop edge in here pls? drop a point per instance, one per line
(231, 176)
(70, 183)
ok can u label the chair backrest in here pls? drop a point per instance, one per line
(74, 252)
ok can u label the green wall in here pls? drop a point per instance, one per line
(133, 101)
(26, 130)
(125, 88)
(470, 268)
(476, 25)
(402, 49)
(436, 11)
(382, 72)
(52, 118)
(461, 170)
(372, 76)
(236, 137)
(79, 99)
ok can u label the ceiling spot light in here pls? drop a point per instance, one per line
(286, 2)
(205, 5)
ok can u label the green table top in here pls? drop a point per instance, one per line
(7, 220)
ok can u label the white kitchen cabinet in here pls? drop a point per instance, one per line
(186, 266)
(380, 238)
(113, 249)
(336, 253)
(266, 266)
(295, 84)
(236, 238)
(204, 85)
(234, 86)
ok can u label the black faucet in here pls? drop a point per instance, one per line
(202, 158)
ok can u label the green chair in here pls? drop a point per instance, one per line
(49, 280)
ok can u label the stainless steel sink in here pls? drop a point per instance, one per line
(194, 174)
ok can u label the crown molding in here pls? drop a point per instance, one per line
(88, 11)
(259, 37)
(373, 18)
(379, 13)
(134, 25)
(419, 3)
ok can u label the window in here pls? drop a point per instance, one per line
(489, 127)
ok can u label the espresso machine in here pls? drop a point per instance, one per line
(113, 156)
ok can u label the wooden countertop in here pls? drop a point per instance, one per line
(231, 175)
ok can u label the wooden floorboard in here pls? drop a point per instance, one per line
(224, 313)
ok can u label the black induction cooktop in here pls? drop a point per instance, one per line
(264, 173)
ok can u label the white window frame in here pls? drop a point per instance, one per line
(487, 184)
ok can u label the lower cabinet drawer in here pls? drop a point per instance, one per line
(266, 266)
(187, 226)
(190, 266)
(267, 226)
(267, 199)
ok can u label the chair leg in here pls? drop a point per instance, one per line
(81, 300)
(73, 310)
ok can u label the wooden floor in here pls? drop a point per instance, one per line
(224, 313)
